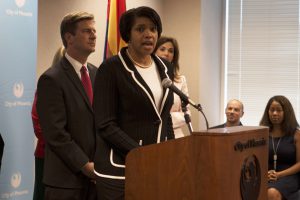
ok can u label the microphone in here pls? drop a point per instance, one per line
(167, 83)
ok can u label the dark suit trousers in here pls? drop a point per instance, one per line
(39, 188)
(86, 193)
(110, 189)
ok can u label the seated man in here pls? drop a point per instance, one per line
(234, 111)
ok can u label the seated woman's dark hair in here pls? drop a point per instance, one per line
(128, 18)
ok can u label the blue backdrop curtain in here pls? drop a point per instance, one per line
(18, 44)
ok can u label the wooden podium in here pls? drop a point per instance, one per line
(226, 163)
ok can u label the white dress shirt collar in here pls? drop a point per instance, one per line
(77, 65)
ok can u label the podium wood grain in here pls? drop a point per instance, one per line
(202, 166)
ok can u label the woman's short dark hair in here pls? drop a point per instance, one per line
(128, 18)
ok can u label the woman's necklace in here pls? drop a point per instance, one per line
(275, 152)
(139, 64)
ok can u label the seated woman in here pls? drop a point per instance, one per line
(284, 149)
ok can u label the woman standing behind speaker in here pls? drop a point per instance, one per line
(167, 48)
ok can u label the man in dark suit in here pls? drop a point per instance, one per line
(234, 112)
(64, 105)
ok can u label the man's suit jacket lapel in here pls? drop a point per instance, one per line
(72, 75)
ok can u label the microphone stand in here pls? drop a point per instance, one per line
(199, 108)
(186, 116)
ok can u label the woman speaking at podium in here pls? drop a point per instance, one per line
(131, 107)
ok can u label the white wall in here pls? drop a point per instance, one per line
(182, 21)
(198, 25)
(210, 79)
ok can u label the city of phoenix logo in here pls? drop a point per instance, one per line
(18, 89)
(15, 180)
(20, 3)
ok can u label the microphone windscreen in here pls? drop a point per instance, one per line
(166, 83)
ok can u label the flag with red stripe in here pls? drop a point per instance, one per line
(113, 40)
